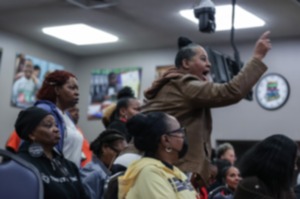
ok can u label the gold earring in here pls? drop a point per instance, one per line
(168, 149)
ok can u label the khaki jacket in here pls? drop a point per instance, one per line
(189, 99)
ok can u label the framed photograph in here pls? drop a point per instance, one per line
(105, 85)
(29, 74)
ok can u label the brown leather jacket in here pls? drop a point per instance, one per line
(189, 99)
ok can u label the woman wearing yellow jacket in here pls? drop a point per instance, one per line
(162, 139)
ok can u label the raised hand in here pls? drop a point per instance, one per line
(263, 45)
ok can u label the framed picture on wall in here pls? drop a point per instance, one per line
(106, 83)
(29, 74)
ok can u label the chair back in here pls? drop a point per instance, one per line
(111, 187)
(18, 178)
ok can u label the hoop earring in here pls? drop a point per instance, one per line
(168, 149)
(35, 150)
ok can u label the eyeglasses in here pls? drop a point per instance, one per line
(180, 130)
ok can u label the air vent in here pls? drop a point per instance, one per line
(93, 4)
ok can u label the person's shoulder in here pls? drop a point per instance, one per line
(186, 77)
(127, 158)
(186, 80)
(250, 181)
(252, 187)
(155, 169)
(25, 156)
(29, 159)
(118, 125)
(23, 78)
(92, 166)
(91, 172)
(18, 82)
(116, 122)
(50, 107)
(45, 104)
(151, 174)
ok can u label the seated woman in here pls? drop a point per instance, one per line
(231, 177)
(154, 176)
(219, 181)
(39, 131)
(125, 92)
(126, 109)
(267, 170)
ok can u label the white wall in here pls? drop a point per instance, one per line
(246, 120)
(11, 45)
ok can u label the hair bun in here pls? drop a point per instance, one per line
(147, 129)
(183, 41)
(137, 124)
(138, 127)
(125, 92)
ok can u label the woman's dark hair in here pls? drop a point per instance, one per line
(125, 92)
(186, 50)
(221, 165)
(56, 78)
(224, 172)
(147, 130)
(106, 137)
(122, 103)
(272, 161)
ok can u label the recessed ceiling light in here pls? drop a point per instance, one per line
(80, 34)
(243, 18)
